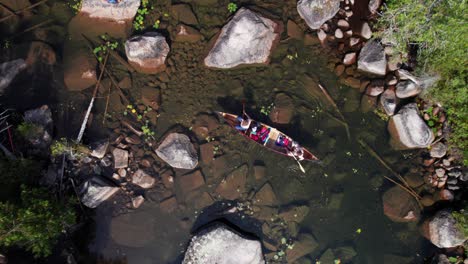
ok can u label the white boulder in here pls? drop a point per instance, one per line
(408, 129)
(178, 151)
(120, 12)
(317, 12)
(221, 245)
(247, 39)
(147, 53)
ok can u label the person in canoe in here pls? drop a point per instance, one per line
(244, 122)
(296, 151)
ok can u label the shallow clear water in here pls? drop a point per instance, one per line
(343, 193)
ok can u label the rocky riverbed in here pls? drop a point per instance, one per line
(169, 182)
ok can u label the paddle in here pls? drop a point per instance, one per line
(298, 163)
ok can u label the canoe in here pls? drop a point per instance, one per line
(267, 136)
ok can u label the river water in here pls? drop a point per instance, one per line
(343, 192)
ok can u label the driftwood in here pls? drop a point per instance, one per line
(22, 10)
(346, 126)
(91, 103)
(337, 110)
(31, 28)
(122, 95)
(134, 130)
(113, 54)
(406, 186)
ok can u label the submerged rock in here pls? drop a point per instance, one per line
(133, 230)
(147, 53)
(372, 58)
(400, 206)
(79, 69)
(9, 70)
(187, 34)
(304, 245)
(142, 179)
(120, 12)
(178, 151)
(317, 12)
(233, 185)
(442, 230)
(221, 245)
(95, 191)
(283, 110)
(247, 39)
(408, 129)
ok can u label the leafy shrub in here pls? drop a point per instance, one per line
(438, 27)
(35, 223)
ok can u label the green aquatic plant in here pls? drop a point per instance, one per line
(35, 222)
(381, 114)
(102, 49)
(232, 7)
(157, 24)
(27, 129)
(139, 23)
(75, 5)
(266, 109)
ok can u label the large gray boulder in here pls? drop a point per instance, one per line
(178, 151)
(9, 70)
(442, 230)
(95, 191)
(408, 130)
(317, 12)
(247, 38)
(147, 53)
(221, 245)
(372, 58)
(121, 12)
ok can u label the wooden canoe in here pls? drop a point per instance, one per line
(271, 138)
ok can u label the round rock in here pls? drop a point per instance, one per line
(438, 150)
(147, 53)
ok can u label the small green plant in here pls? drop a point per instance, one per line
(75, 5)
(157, 24)
(59, 147)
(232, 7)
(266, 109)
(292, 57)
(27, 129)
(6, 44)
(139, 23)
(101, 50)
(145, 128)
(433, 121)
(381, 114)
